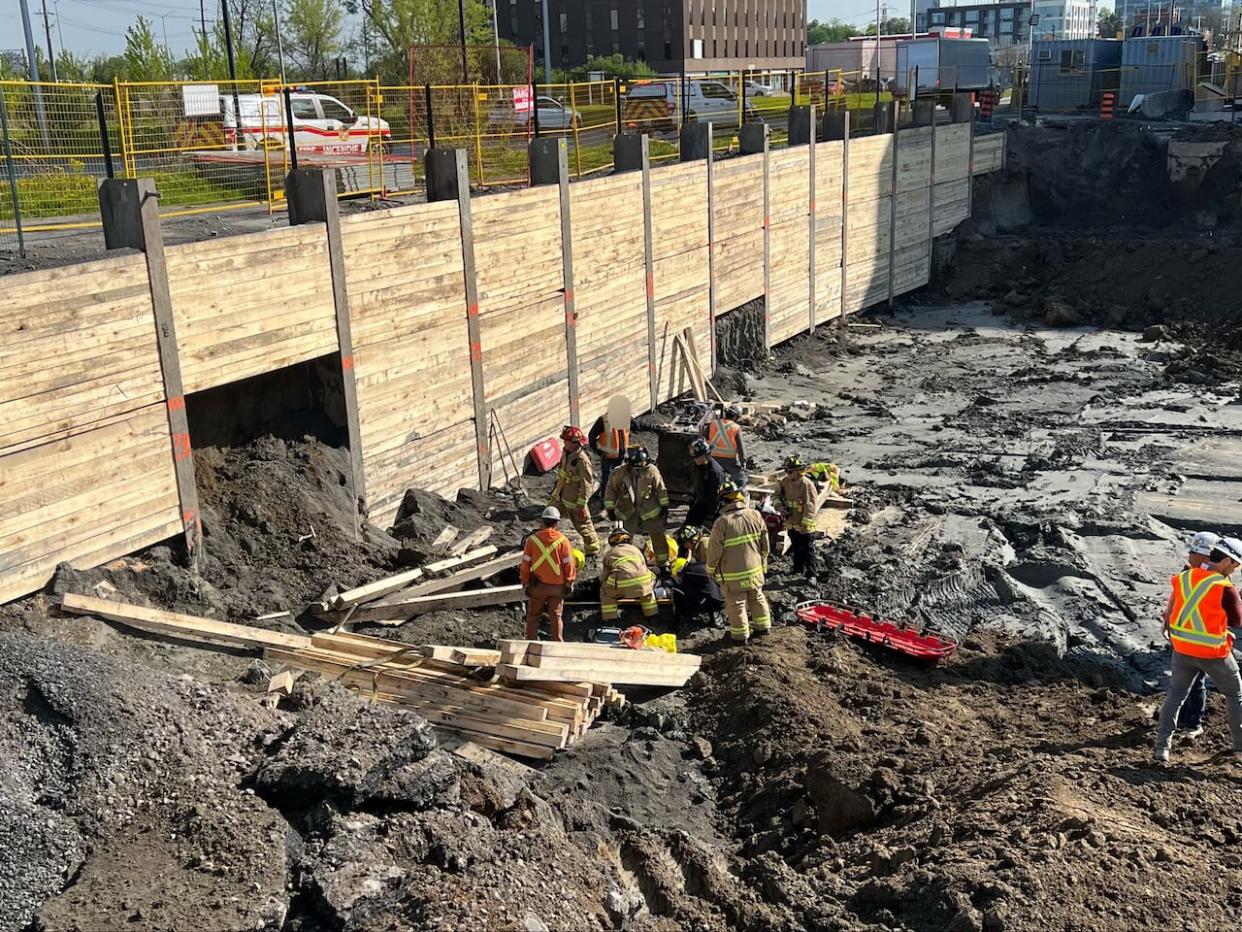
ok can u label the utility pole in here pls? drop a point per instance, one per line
(51, 52)
(280, 45)
(238, 133)
(461, 24)
(32, 65)
(496, 38)
(202, 17)
(877, 51)
(547, 46)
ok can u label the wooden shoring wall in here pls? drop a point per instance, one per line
(86, 472)
(86, 455)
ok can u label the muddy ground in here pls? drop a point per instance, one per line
(1015, 485)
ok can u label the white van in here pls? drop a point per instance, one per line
(321, 124)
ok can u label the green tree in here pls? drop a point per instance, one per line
(892, 27)
(834, 30)
(313, 35)
(612, 66)
(1109, 24)
(396, 25)
(145, 59)
(254, 45)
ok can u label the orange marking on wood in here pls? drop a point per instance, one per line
(176, 403)
(181, 446)
(476, 351)
(472, 309)
(347, 363)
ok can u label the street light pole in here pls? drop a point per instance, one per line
(547, 46)
(32, 65)
(496, 38)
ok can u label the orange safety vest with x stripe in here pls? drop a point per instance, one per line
(722, 438)
(549, 557)
(1198, 625)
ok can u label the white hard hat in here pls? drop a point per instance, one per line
(551, 513)
(1230, 547)
(1203, 542)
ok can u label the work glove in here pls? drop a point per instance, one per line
(663, 512)
(611, 514)
(568, 589)
(529, 588)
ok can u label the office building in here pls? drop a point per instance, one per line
(1065, 19)
(1004, 25)
(697, 35)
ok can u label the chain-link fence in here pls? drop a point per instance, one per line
(53, 153)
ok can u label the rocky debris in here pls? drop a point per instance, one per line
(1060, 313)
(352, 752)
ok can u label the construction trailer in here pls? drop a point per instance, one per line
(1071, 74)
(855, 59)
(1166, 65)
(933, 66)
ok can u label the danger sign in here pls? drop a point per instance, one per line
(521, 100)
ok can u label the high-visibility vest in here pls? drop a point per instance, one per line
(548, 556)
(723, 442)
(1198, 625)
(612, 443)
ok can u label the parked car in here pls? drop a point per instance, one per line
(755, 89)
(652, 105)
(321, 123)
(553, 115)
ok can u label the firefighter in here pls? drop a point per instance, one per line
(575, 481)
(707, 475)
(636, 496)
(547, 573)
(797, 497)
(623, 574)
(724, 437)
(611, 445)
(693, 590)
(737, 558)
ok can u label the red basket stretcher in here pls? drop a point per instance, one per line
(825, 615)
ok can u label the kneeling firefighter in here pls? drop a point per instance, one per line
(623, 574)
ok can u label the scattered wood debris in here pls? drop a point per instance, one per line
(528, 698)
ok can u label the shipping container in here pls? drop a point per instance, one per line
(855, 59)
(939, 65)
(1071, 74)
(1152, 64)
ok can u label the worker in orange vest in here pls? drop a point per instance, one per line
(610, 444)
(547, 572)
(724, 437)
(1203, 606)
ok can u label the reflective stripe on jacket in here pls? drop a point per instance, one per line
(575, 480)
(798, 496)
(724, 442)
(737, 551)
(1198, 625)
(549, 557)
(634, 491)
(623, 567)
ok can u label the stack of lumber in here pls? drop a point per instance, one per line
(530, 662)
(444, 684)
(396, 599)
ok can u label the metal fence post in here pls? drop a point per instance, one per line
(103, 134)
(431, 120)
(616, 100)
(11, 171)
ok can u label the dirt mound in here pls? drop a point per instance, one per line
(284, 508)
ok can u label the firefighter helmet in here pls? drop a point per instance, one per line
(637, 456)
(699, 447)
(730, 491)
(619, 536)
(793, 461)
(574, 435)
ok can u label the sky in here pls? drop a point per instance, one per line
(89, 27)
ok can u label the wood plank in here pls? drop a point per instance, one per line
(472, 656)
(551, 650)
(595, 674)
(186, 626)
(473, 539)
(376, 589)
(400, 612)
